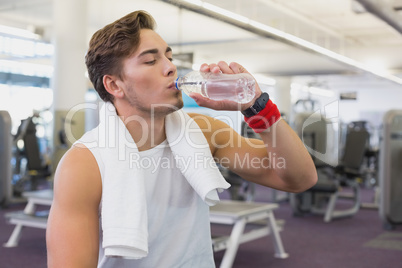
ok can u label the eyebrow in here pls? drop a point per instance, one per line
(154, 51)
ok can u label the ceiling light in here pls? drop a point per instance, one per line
(312, 90)
(195, 2)
(226, 13)
(267, 31)
(18, 32)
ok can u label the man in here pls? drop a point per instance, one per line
(130, 66)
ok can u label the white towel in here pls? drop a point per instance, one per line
(124, 208)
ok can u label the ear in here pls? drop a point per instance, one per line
(111, 84)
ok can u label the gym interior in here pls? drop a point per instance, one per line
(334, 69)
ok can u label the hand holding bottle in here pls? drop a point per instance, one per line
(223, 67)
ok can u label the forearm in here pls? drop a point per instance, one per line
(288, 157)
(290, 167)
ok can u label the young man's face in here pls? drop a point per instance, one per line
(149, 76)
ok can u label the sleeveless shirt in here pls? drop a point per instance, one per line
(178, 219)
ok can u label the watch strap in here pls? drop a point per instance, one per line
(258, 105)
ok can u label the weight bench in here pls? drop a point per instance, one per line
(29, 217)
(239, 214)
(227, 212)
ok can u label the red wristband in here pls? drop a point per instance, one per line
(265, 118)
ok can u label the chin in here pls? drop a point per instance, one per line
(180, 104)
(164, 109)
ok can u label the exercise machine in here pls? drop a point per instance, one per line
(5, 158)
(29, 165)
(335, 174)
(390, 170)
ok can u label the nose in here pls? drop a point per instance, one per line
(170, 68)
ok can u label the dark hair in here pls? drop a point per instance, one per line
(113, 43)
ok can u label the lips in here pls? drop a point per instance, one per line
(172, 85)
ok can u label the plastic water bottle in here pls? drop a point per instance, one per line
(234, 87)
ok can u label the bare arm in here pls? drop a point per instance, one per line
(289, 158)
(72, 233)
(279, 160)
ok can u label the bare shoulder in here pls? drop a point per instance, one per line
(77, 176)
(208, 123)
(72, 233)
(218, 134)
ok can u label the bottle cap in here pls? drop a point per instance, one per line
(177, 87)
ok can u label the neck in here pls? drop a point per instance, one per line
(147, 131)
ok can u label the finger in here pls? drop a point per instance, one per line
(216, 105)
(204, 67)
(213, 67)
(225, 67)
(199, 99)
(237, 68)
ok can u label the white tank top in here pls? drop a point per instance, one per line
(178, 219)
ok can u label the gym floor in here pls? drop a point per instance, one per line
(358, 241)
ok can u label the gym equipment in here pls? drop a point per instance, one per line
(239, 214)
(332, 177)
(30, 216)
(320, 136)
(5, 157)
(390, 170)
(30, 167)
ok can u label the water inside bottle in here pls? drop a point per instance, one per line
(239, 90)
